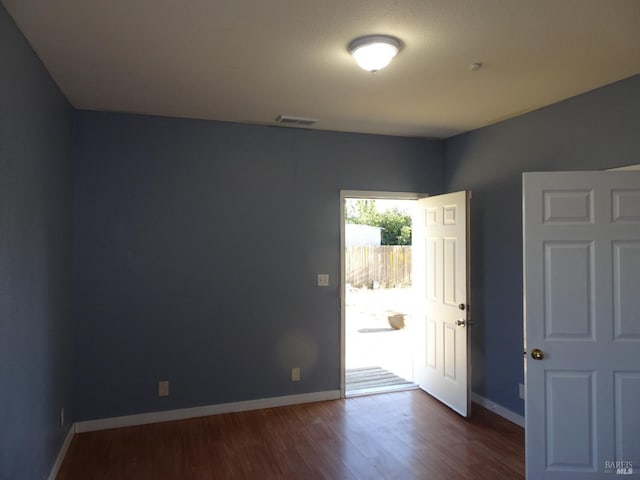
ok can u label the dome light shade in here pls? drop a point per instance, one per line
(374, 52)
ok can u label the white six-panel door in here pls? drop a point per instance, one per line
(440, 280)
(582, 317)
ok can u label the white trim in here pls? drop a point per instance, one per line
(628, 167)
(498, 409)
(183, 413)
(366, 194)
(61, 454)
(342, 293)
(375, 195)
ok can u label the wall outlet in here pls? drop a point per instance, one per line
(295, 374)
(323, 279)
(521, 390)
(163, 388)
(62, 417)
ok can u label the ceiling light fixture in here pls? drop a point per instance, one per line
(374, 52)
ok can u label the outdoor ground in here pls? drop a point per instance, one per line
(370, 341)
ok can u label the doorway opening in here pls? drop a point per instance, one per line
(377, 292)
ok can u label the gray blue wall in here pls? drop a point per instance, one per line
(594, 131)
(36, 332)
(196, 250)
(197, 245)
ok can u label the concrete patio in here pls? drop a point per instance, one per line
(371, 342)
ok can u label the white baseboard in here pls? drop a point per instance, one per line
(183, 413)
(63, 451)
(498, 409)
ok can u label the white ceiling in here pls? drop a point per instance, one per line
(251, 60)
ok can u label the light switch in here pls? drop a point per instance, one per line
(323, 279)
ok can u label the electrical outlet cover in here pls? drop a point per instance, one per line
(163, 388)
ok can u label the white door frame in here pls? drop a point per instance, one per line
(363, 194)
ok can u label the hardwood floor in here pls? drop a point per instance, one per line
(400, 435)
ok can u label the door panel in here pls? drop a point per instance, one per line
(450, 351)
(432, 268)
(627, 393)
(626, 302)
(449, 264)
(626, 206)
(440, 277)
(581, 236)
(570, 394)
(431, 347)
(568, 290)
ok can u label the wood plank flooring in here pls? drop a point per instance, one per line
(400, 435)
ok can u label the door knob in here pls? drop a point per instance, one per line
(537, 354)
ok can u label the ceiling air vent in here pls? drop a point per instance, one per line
(291, 120)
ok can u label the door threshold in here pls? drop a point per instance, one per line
(376, 390)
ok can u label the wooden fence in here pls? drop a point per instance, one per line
(384, 266)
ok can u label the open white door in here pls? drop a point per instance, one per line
(440, 278)
(582, 324)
